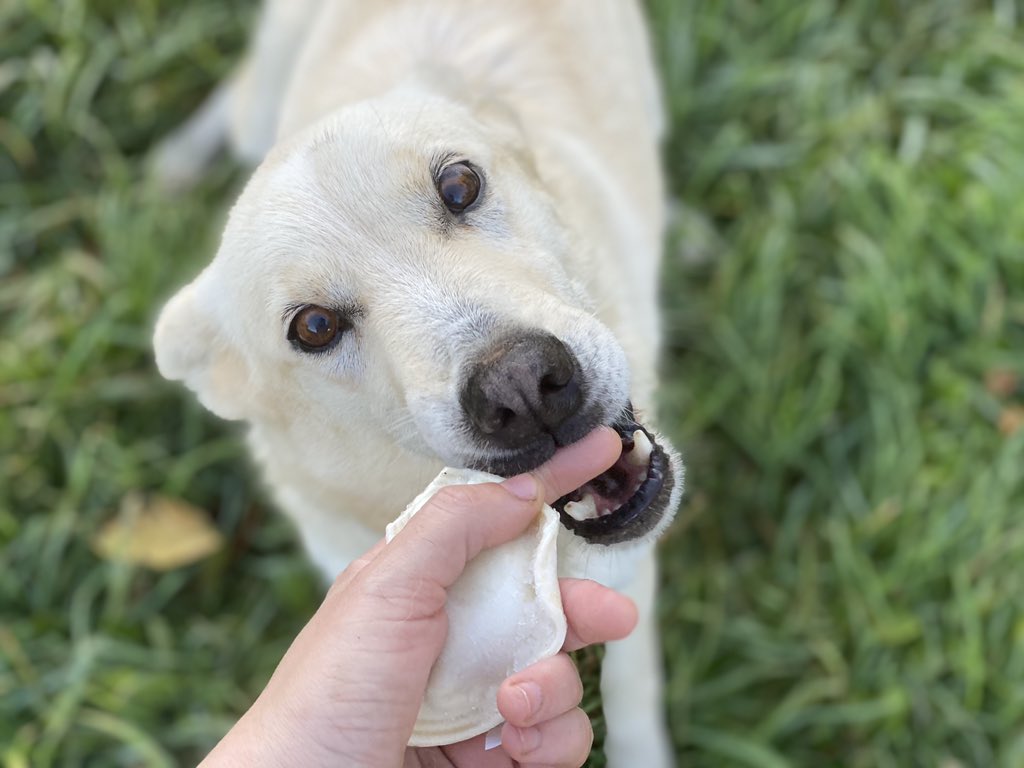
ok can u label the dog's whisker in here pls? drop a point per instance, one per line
(403, 427)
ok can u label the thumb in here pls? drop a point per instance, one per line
(459, 521)
(377, 636)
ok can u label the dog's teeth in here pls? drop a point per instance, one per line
(640, 455)
(582, 510)
(639, 483)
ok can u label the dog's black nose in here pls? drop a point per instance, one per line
(525, 385)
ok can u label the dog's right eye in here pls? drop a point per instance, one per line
(459, 187)
(316, 329)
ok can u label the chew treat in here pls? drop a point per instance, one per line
(504, 614)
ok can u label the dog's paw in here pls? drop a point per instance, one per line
(181, 160)
(175, 167)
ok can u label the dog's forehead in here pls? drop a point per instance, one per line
(367, 171)
(350, 206)
(391, 145)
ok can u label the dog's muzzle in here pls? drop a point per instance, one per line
(523, 398)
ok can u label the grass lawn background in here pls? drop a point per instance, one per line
(844, 293)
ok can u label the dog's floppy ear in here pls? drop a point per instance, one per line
(191, 347)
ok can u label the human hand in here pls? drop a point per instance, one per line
(544, 725)
(348, 690)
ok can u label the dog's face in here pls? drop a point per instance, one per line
(399, 269)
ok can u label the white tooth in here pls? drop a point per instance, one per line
(584, 509)
(641, 453)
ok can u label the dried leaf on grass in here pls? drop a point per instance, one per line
(1011, 419)
(158, 532)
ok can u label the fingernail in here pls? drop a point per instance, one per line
(531, 696)
(522, 486)
(493, 738)
(529, 739)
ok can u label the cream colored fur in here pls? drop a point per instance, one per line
(346, 104)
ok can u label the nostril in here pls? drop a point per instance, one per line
(526, 385)
(552, 383)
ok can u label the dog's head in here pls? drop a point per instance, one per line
(400, 269)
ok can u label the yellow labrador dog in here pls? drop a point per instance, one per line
(448, 255)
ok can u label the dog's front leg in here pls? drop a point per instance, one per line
(631, 686)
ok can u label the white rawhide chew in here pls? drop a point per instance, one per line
(504, 614)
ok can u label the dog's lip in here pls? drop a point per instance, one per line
(639, 515)
(644, 509)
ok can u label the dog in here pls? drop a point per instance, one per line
(448, 255)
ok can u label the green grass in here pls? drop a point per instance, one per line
(844, 301)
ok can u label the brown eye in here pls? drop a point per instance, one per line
(459, 186)
(314, 328)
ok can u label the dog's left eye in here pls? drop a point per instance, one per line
(314, 329)
(459, 187)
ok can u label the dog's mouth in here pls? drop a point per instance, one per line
(627, 500)
(624, 503)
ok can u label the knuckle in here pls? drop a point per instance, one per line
(458, 506)
(567, 678)
(545, 479)
(452, 499)
(577, 694)
(460, 499)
